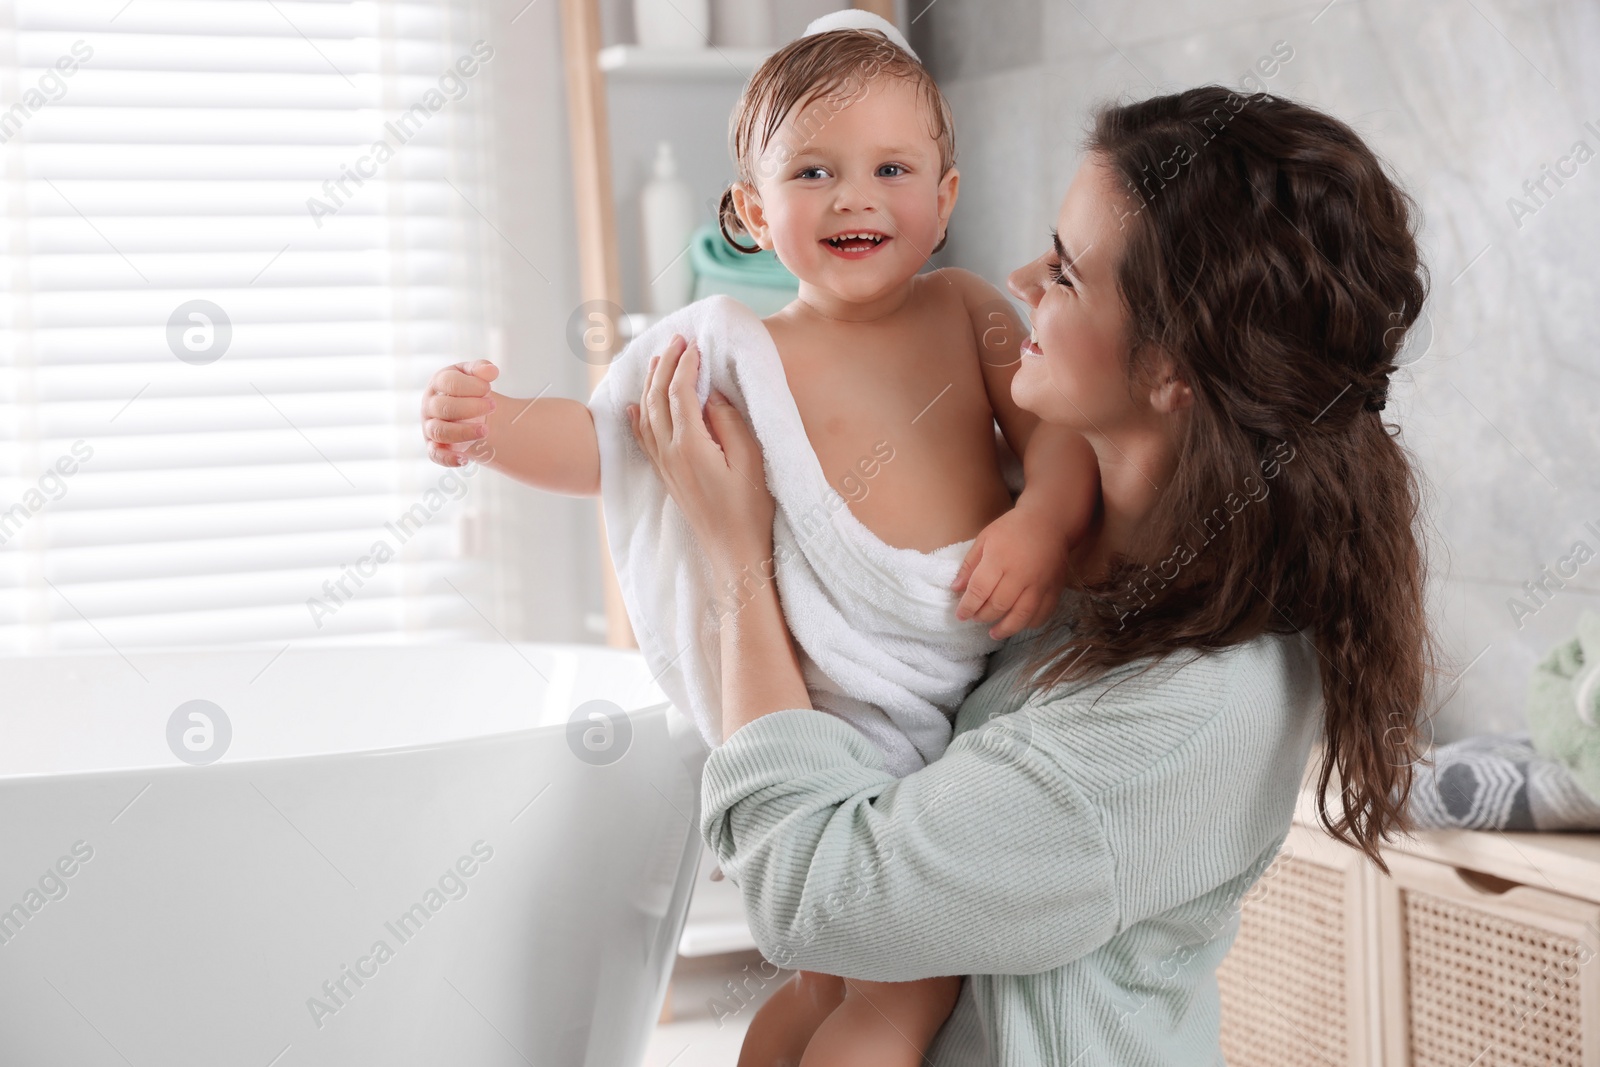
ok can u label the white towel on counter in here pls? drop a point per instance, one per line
(880, 644)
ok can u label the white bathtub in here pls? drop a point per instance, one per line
(404, 856)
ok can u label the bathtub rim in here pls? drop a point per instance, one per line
(667, 710)
(682, 734)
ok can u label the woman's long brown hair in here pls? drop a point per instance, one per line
(1274, 262)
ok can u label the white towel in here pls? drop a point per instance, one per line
(881, 646)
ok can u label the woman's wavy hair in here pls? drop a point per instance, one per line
(1273, 260)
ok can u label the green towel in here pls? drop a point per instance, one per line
(758, 281)
(1564, 704)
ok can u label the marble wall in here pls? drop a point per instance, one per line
(1467, 100)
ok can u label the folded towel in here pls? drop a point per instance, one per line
(1564, 704)
(1498, 782)
(757, 280)
(880, 644)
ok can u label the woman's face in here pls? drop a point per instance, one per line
(1074, 370)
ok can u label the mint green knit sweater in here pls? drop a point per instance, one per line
(1081, 859)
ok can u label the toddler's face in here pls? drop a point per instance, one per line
(833, 173)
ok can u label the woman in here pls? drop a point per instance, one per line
(1230, 283)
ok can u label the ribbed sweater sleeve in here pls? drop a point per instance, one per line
(848, 870)
(1078, 855)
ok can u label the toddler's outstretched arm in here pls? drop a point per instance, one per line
(546, 442)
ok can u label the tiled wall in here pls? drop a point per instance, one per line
(1467, 99)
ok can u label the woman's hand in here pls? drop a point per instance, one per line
(711, 463)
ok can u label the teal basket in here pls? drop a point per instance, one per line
(758, 281)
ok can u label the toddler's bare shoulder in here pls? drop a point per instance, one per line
(958, 284)
(970, 296)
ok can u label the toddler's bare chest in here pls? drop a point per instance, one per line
(902, 430)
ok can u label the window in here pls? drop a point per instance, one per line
(238, 237)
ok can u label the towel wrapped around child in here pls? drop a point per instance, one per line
(880, 644)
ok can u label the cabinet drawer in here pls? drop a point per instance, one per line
(1291, 987)
(1483, 971)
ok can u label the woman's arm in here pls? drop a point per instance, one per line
(1041, 833)
(989, 861)
(760, 671)
(712, 467)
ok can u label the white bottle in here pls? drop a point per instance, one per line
(667, 208)
(673, 23)
(742, 23)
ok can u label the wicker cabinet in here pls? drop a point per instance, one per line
(1293, 988)
(1476, 950)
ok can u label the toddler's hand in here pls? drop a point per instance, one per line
(1014, 573)
(455, 412)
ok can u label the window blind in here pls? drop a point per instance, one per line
(238, 238)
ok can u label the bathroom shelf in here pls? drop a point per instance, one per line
(630, 60)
